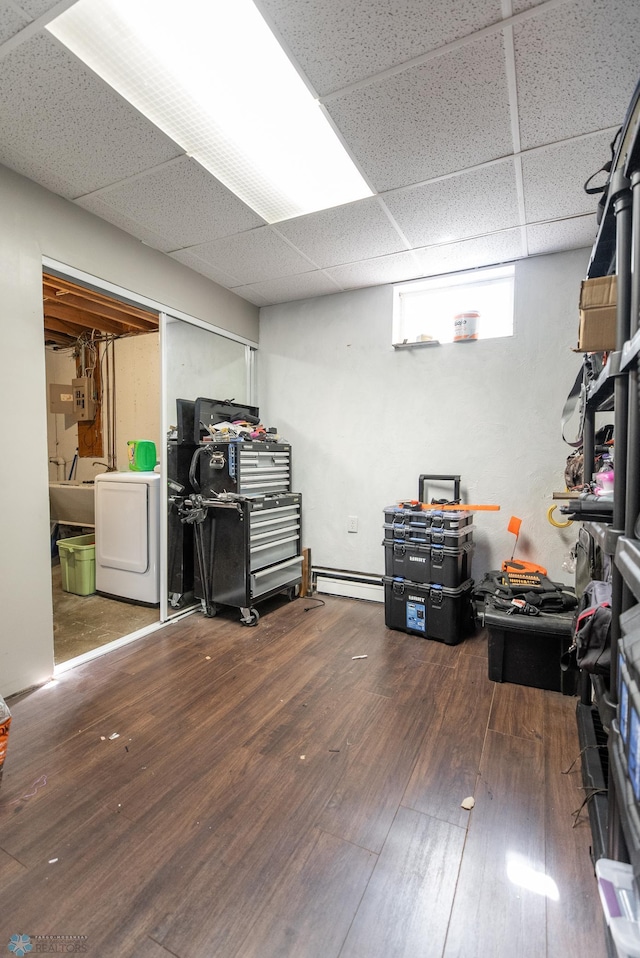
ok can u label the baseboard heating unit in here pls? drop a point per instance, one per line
(352, 585)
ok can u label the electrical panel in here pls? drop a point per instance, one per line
(61, 398)
(84, 407)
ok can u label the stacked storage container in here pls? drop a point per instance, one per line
(427, 581)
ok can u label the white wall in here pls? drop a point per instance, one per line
(365, 421)
(137, 380)
(203, 365)
(137, 368)
(35, 223)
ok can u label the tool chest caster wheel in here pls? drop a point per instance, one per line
(249, 617)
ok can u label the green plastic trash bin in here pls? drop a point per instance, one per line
(78, 564)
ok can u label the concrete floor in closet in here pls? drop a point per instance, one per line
(82, 623)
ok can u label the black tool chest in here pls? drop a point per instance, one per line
(428, 554)
(246, 521)
(251, 549)
(245, 468)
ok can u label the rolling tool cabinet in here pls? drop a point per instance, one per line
(251, 550)
(246, 520)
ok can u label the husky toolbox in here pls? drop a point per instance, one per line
(429, 610)
(526, 649)
(426, 534)
(419, 562)
(414, 517)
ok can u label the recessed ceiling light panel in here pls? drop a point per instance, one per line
(213, 77)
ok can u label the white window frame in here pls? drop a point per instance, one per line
(476, 279)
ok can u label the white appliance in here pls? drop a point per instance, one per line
(127, 510)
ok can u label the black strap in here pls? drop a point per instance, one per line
(603, 169)
(577, 398)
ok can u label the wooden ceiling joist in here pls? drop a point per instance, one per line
(71, 309)
(72, 330)
(57, 339)
(85, 320)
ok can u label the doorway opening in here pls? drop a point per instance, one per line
(103, 368)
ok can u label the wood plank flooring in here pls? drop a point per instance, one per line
(269, 796)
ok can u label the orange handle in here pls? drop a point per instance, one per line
(460, 507)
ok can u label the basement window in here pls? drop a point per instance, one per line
(455, 308)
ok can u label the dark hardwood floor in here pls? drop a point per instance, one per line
(268, 795)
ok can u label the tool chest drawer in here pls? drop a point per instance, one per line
(274, 533)
(275, 577)
(245, 468)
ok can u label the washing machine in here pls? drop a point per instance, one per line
(127, 517)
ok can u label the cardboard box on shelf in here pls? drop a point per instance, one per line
(597, 332)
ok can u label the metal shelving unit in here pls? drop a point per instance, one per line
(616, 250)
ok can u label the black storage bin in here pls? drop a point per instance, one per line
(428, 563)
(431, 611)
(526, 649)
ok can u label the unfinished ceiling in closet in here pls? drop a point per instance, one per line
(71, 310)
(475, 123)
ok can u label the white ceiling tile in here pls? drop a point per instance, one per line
(470, 254)
(375, 272)
(253, 256)
(180, 200)
(519, 6)
(448, 114)
(54, 110)
(343, 234)
(288, 288)
(562, 235)
(188, 258)
(576, 68)
(250, 294)
(36, 8)
(554, 177)
(123, 222)
(337, 43)
(36, 169)
(479, 201)
(11, 21)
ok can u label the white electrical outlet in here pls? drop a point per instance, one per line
(352, 523)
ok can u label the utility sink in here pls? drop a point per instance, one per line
(71, 503)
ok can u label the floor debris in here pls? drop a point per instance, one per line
(359, 656)
(468, 803)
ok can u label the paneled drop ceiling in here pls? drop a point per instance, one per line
(475, 123)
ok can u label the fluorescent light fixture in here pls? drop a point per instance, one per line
(212, 76)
